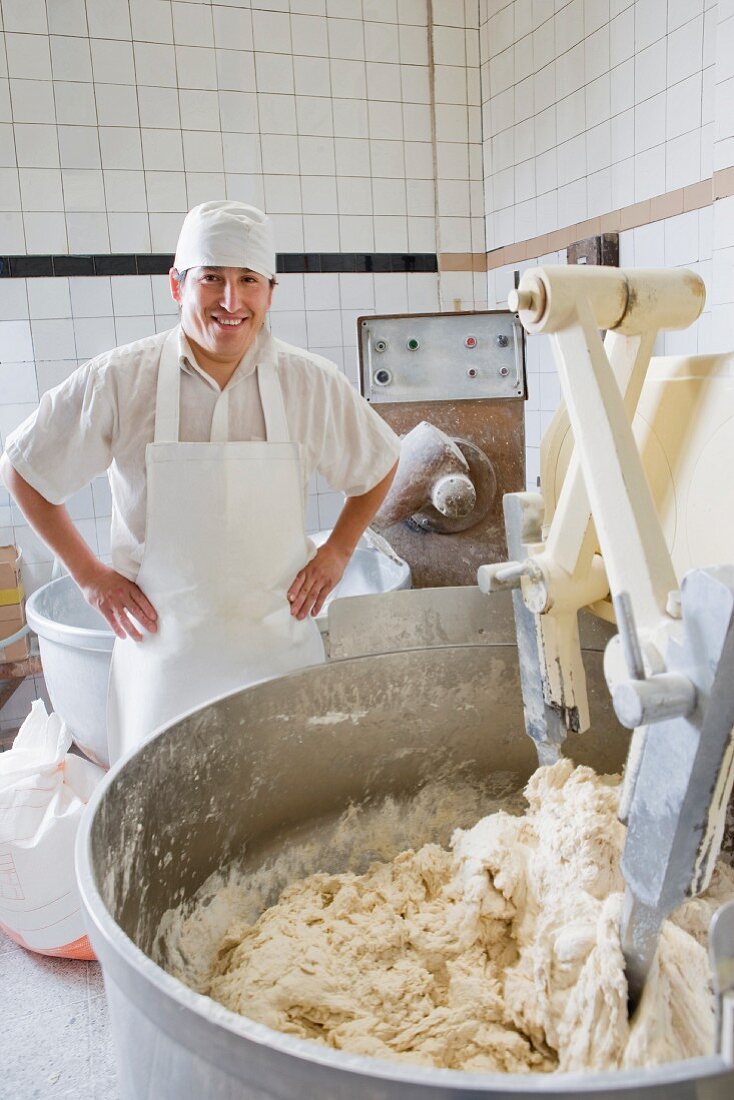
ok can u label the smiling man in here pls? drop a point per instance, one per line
(209, 433)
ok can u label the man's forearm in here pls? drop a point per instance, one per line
(115, 597)
(52, 523)
(357, 513)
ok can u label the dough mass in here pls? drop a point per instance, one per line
(500, 955)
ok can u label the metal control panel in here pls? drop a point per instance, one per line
(441, 356)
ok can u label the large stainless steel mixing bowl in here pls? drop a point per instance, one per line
(277, 763)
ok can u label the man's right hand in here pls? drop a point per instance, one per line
(121, 602)
(107, 591)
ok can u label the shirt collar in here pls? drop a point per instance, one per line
(261, 351)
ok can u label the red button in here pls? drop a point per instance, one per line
(470, 342)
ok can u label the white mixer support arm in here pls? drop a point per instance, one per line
(605, 500)
(571, 540)
(635, 553)
(669, 667)
(573, 573)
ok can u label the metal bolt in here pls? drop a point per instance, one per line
(380, 345)
(472, 372)
(506, 575)
(642, 702)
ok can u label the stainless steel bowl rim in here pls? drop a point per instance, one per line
(214, 1013)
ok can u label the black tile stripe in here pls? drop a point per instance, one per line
(31, 267)
(74, 265)
(27, 267)
(115, 265)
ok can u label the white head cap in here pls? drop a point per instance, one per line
(226, 234)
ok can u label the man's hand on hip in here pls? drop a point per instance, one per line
(108, 592)
(314, 583)
(121, 602)
(316, 580)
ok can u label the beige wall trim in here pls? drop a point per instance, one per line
(724, 183)
(462, 261)
(685, 199)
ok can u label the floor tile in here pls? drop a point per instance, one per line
(102, 1052)
(32, 982)
(47, 1054)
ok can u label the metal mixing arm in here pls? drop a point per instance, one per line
(546, 723)
(682, 777)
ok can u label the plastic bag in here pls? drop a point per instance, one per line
(43, 791)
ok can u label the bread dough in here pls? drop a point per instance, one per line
(502, 954)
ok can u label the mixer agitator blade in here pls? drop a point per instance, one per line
(543, 723)
(685, 769)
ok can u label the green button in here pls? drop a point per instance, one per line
(413, 344)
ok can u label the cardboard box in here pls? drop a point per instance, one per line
(9, 567)
(12, 618)
(12, 604)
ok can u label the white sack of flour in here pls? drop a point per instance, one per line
(43, 792)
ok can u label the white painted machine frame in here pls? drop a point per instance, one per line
(669, 666)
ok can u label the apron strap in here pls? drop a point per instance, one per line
(167, 401)
(271, 396)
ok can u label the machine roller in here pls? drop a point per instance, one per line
(604, 536)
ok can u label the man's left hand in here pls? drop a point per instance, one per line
(316, 580)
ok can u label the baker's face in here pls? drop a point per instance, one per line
(222, 308)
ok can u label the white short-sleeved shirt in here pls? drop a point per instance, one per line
(103, 416)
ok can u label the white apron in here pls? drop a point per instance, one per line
(225, 538)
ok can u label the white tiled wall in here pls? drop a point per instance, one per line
(117, 116)
(593, 105)
(458, 161)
